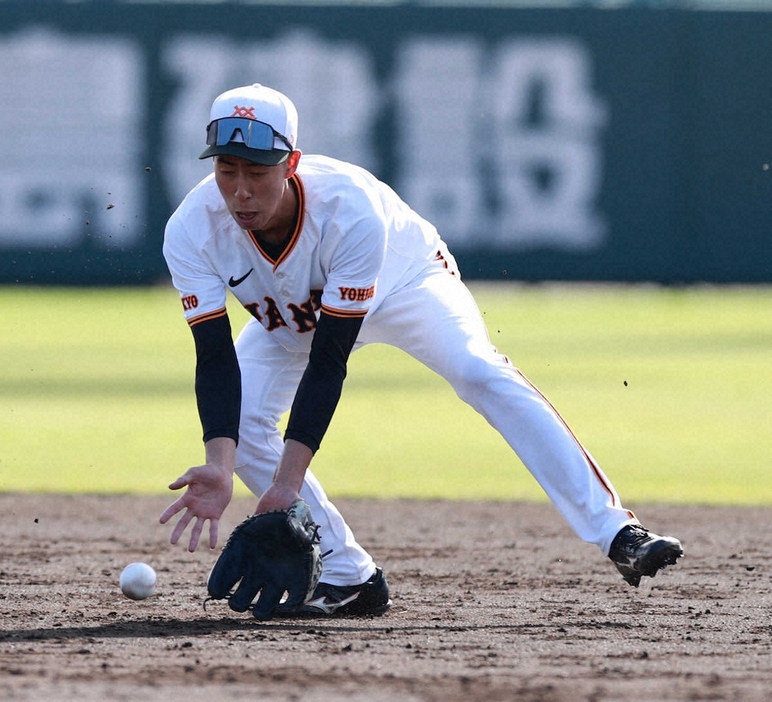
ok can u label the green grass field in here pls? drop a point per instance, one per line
(669, 389)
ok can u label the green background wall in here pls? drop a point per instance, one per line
(572, 144)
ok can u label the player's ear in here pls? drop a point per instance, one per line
(292, 163)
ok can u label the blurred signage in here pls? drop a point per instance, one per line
(72, 114)
(498, 145)
(572, 144)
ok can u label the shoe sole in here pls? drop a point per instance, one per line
(668, 555)
(313, 613)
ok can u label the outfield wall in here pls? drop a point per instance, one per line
(575, 144)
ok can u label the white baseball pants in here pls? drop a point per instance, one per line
(435, 319)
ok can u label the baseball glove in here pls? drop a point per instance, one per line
(270, 553)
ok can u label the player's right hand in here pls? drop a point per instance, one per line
(209, 491)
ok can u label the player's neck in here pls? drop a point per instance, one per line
(278, 235)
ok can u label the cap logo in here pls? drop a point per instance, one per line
(248, 112)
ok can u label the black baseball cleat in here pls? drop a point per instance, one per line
(636, 552)
(369, 598)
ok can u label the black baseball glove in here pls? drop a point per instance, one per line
(271, 553)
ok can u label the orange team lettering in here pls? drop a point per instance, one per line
(302, 315)
(254, 309)
(356, 294)
(274, 320)
(189, 302)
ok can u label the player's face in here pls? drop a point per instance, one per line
(253, 193)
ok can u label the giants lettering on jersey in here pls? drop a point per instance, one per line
(357, 294)
(303, 315)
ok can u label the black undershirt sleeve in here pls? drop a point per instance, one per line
(218, 379)
(320, 387)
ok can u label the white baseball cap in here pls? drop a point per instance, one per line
(252, 122)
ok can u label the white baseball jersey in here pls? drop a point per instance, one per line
(353, 242)
(357, 250)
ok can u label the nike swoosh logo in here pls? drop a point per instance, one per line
(238, 281)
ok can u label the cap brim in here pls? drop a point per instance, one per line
(264, 158)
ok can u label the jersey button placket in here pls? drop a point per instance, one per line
(280, 276)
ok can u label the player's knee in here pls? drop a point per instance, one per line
(475, 376)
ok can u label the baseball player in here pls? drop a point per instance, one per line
(327, 258)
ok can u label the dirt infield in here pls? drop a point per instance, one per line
(491, 602)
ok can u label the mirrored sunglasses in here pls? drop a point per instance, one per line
(254, 134)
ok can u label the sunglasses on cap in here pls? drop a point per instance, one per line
(254, 134)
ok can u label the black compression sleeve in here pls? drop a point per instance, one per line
(218, 379)
(319, 390)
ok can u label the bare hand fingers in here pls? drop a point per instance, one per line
(213, 530)
(181, 526)
(171, 510)
(181, 482)
(195, 534)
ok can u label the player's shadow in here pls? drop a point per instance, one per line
(175, 628)
(130, 629)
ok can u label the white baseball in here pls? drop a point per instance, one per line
(137, 581)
